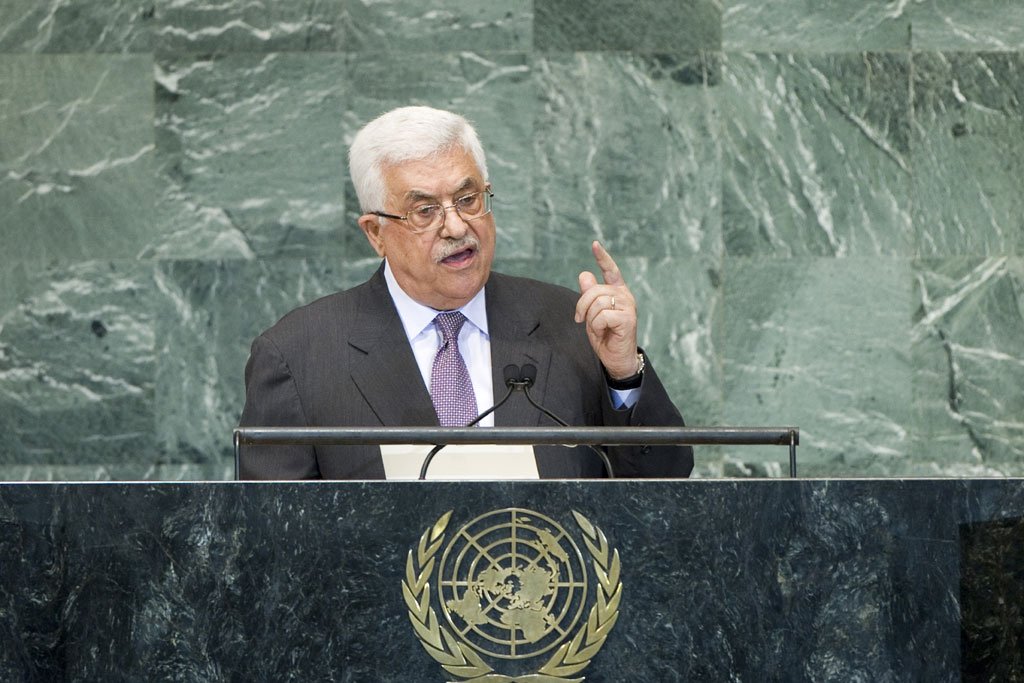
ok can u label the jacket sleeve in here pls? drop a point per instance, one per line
(653, 409)
(272, 400)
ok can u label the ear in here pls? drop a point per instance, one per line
(370, 226)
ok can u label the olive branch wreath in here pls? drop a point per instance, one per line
(569, 659)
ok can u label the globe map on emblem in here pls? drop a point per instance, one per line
(512, 583)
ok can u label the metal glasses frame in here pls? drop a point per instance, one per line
(488, 195)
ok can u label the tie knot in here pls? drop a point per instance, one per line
(449, 322)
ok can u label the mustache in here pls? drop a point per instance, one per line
(449, 247)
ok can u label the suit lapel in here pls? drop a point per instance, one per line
(383, 366)
(511, 329)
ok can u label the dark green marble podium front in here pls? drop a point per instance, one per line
(800, 580)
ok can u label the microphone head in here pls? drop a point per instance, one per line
(511, 374)
(529, 375)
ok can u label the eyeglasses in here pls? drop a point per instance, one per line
(432, 216)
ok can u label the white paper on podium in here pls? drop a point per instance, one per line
(461, 462)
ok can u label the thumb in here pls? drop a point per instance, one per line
(587, 280)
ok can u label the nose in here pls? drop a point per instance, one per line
(454, 225)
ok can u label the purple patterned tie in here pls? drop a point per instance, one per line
(450, 388)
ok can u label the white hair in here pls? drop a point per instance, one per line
(406, 134)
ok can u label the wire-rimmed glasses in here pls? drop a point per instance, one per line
(429, 217)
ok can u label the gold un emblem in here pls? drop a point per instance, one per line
(512, 587)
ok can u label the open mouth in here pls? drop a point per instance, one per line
(460, 257)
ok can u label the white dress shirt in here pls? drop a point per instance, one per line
(425, 338)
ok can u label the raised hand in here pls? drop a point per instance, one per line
(609, 311)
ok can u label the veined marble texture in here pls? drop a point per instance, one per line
(249, 26)
(968, 358)
(645, 26)
(74, 26)
(346, 25)
(140, 469)
(820, 26)
(625, 152)
(439, 25)
(968, 153)
(252, 155)
(76, 162)
(14, 286)
(957, 25)
(815, 154)
(822, 344)
(76, 367)
(198, 26)
(840, 26)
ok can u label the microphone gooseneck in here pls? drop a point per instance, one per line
(529, 375)
(516, 378)
(511, 374)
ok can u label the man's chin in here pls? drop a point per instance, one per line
(460, 286)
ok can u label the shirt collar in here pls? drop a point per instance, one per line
(416, 317)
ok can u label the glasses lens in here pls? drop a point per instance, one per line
(425, 217)
(473, 205)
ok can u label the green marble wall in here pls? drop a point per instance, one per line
(820, 208)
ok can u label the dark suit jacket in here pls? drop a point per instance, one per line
(344, 360)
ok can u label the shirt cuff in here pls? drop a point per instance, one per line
(624, 399)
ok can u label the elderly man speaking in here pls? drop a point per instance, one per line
(425, 340)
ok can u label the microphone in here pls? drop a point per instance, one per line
(520, 379)
(513, 381)
(511, 374)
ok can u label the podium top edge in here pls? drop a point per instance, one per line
(772, 436)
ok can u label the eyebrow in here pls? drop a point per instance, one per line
(416, 195)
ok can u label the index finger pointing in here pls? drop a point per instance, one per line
(609, 270)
